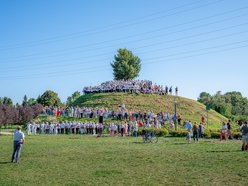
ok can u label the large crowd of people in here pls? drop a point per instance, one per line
(124, 123)
(133, 86)
(124, 128)
(119, 114)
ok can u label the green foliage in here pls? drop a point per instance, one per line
(236, 135)
(178, 133)
(159, 132)
(72, 98)
(49, 98)
(215, 135)
(75, 95)
(25, 100)
(126, 66)
(6, 101)
(231, 104)
(204, 98)
(31, 101)
(68, 101)
(207, 134)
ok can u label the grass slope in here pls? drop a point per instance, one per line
(189, 109)
(87, 160)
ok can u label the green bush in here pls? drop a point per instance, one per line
(173, 133)
(236, 135)
(207, 134)
(215, 135)
(179, 133)
(161, 132)
(183, 133)
(214, 130)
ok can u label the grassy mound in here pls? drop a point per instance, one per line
(189, 109)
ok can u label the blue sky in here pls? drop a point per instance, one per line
(65, 45)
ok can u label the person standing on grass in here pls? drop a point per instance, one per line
(195, 132)
(189, 127)
(223, 131)
(229, 130)
(29, 126)
(100, 128)
(201, 130)
(244, 131)
(18, 141)
(136, 129)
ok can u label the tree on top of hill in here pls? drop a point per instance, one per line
(49, 98)
(126, 66)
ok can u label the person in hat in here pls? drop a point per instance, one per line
(18, 141)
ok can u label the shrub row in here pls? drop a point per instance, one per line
(213, 133)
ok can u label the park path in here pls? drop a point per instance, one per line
(6, 133)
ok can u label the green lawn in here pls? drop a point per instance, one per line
(87, 160)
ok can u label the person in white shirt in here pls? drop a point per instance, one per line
(29, 126)
(55, 129)
(51, 128)
(42, 126)
(135, 129)
(62, 126)
(81, 128)
(18, 141)
(34, 126)
(94, 128)
(223, 131)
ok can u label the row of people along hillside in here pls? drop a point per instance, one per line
(132, 86)
(119, 114)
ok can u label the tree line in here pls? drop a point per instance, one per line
(231, 104)
(18, 114)
(30, 108)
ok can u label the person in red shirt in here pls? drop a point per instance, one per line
(202, 119)
(179, 118)
(140, 123)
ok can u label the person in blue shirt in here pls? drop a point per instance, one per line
(188, 127)
(18, 141)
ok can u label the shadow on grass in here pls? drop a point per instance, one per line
(180, 143)
(220, 151)
(138, 142)
(5, 162)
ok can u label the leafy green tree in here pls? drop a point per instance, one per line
(126, 66)
(49, 98)
(31, 101)
(72, 98)
(75, 95)
(69, 101)
(25, 100)
(204, 98)
(7, 101)
(230, 104)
